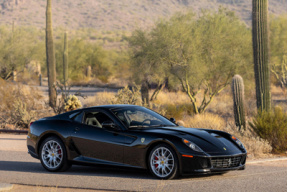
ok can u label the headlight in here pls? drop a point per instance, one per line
(237, 141)
(192, 145)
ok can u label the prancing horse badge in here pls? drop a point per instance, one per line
(142, 140)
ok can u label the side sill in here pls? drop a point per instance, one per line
(86, 160)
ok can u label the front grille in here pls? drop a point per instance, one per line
(225, 162)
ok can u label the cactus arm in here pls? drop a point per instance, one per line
(65, 59)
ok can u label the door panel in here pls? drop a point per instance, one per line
(98, 143)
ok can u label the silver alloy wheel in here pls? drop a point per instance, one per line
(52, 154)
(162, 162)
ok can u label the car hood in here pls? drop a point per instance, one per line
(209, 141)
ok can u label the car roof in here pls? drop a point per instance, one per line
(113, 106)
(67, 114)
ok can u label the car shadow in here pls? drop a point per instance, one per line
(97, 170)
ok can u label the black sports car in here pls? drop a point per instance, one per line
(132, 136)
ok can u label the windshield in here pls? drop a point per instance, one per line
(134, 117)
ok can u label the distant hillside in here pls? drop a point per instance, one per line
(116, 14)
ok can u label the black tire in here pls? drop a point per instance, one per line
(64, 165)
(174, 172)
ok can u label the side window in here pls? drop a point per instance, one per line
(78, 118)
(96, 119)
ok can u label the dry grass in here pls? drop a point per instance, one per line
(252, 142)
(206, 120)
(278, 92)
(165, 97)
(102, 98)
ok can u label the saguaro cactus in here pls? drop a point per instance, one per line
(65, 59)
(145, 93)
(88, 72)
(50, 53)
(260, 36)
(40, 80)
(237, 87)
(14, 74)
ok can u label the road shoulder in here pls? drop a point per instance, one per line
(5, 186)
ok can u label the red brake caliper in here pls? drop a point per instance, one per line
(59, 151)
(156, 165)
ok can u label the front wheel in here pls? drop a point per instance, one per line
(163, 162)
(53, 155)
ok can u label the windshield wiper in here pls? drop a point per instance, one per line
(138, 126)
(162, 125)
(146, 126)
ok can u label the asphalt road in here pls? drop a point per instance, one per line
(17, 167)
(87, 91)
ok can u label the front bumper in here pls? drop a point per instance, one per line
(212, 164)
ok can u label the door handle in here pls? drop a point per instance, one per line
(77, 129)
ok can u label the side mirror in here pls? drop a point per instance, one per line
(172, 120)
(108, 125)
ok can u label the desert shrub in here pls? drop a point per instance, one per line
(174, 111)
(103, 78)
(177, 111)
(19, 103)
(66, 102)
(127, 96)
(101, 98)
(72, 102)
(21, 115)
(272, 126)
(252, 142)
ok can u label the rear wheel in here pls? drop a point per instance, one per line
(53, 155)
(163, 162)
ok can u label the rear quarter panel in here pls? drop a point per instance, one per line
(42, 129)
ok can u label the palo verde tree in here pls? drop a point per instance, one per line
(50, 54)
(203, 54)
(19, 45)
(260, 37)
(144, 63)
(278, 47)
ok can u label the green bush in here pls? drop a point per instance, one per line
(272, 126)
(177, 111)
